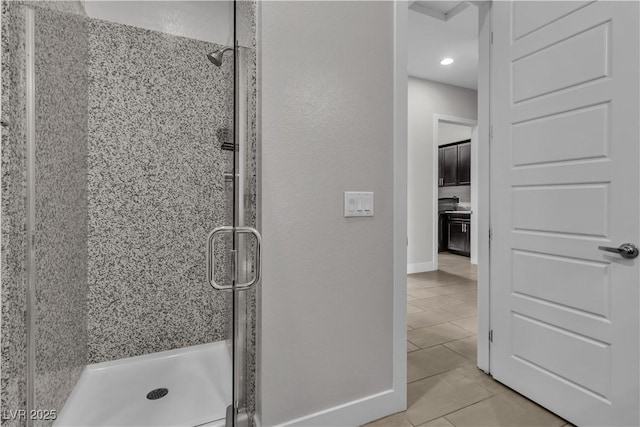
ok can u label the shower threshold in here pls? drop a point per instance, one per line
(185, 387)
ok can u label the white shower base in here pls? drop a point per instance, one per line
(115, 393)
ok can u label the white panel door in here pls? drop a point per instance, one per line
(564, 181)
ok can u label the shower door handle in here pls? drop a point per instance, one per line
(258, 263)
(211, 261)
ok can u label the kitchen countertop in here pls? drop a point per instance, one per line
(458, 212)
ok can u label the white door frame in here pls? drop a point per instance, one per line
(400, 160)
(452, 120)
(484, 123)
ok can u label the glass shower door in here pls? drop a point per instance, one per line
(242, 247)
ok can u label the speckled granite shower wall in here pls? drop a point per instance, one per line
(61, 205)
(156, 189)
(14, 223)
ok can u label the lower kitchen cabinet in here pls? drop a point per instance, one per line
(442, 232)
(459, 236)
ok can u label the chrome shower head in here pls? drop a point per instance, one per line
(216, 56)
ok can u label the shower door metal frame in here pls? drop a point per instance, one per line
(241, 283)
(30, 77)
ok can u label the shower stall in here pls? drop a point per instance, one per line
(130, 250)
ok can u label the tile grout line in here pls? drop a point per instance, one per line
(457, 352)
(448, 370)
(440, 284)
(461, 408)
(442, 343)
(448, 321)
(442, 307)
(455, 326)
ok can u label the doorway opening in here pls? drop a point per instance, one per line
(447, 294)
(443, 252)
(455, 153)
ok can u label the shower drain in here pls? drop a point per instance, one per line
(157, 393)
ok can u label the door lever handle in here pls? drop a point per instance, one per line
(626, 250)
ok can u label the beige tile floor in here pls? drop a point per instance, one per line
(445, 387)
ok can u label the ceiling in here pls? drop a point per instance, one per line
(440, 29)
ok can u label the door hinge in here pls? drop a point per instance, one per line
(491, 335)
(491, 37)
(490, 133)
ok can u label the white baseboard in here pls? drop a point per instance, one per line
(354, 413)
(420, 267)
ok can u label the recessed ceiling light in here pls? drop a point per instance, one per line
(446, 61)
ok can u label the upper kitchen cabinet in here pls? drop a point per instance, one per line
(464, 163)
(449, 166)
(454, 161)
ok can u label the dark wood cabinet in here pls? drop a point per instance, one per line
(454, 164)
(449, 165)
(440, 167)
(464, 163)
(459, 236)
(442, 232)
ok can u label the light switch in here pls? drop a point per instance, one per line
(367, 204)
(358, 203)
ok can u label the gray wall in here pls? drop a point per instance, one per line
(463, 192)
(448, 132)
(210, 21)
(156, 189)
(327, 127)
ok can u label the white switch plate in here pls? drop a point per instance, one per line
(358, 203)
